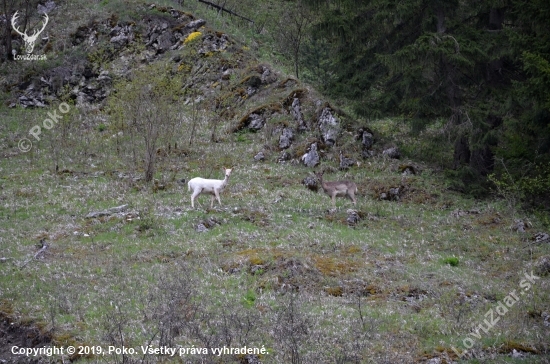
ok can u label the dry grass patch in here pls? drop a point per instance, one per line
(252, 257)
(335, 266)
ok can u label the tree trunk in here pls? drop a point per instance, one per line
(7, 42)
(461, 154)
(150, 166)
(482, 158)
(7, 38)
(481, 155)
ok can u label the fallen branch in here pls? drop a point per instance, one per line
(221, 8)
(38, 253)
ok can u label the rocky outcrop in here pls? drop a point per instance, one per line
(296, 112)
(311, 158)
(366, 136)
(329, 126)
(392, 152)
(256, 122)
(115, 47)
(260, 157)
(89, 80)
(108, 212)
(285, 140)
(345, 162)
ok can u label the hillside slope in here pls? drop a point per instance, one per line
(149, 100)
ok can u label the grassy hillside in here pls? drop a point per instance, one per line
(413, 279)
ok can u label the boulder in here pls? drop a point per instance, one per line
(329, 126)
(255, 122)
(541, 237)
(260, 157)
(542, 266)
(108, 212)
(392, 152)
(311, 158)
(284, 157)
(367, 139)
(345, 162)
(353, 217)
(285, 140)
(296, 112)
(46, 8)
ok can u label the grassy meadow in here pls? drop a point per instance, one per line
(276, 268)
(418, 279)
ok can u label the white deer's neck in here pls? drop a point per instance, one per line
(225, 180)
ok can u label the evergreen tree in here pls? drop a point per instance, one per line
(483, 66)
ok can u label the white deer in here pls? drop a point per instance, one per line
(29, 40)
(338, 188)
(208, 186)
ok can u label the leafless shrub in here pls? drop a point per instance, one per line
(116, 327)
(291, 330)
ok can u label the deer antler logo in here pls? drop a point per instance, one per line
(29, 40)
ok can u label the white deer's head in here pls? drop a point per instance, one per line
(29, 40)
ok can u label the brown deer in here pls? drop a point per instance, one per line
(338, 188)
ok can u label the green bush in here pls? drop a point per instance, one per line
(452, 261)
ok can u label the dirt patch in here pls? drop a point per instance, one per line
(29, 335)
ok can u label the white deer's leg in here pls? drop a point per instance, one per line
(212, 202)
(217, 196)
(193, 196)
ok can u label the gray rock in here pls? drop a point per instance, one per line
(285, 140)
(367, 140)
(201, 228)
(542, 238)
(120, 39)
(268, 76)
(519, 226)
(345, 162)
(352, 218)
(311, 158)
(284, 157)
(367, 154)
(328, 124)
(164, 42)
(259, 157)
(47, 7)
(296, 111)
(542, 266)
(25, 101)
(252, 359)
(195, 24)
(393, 153)
(256, 122)
(108, 212)
(214, 43)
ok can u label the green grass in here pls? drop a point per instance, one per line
(404, 284)
(87, 283)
